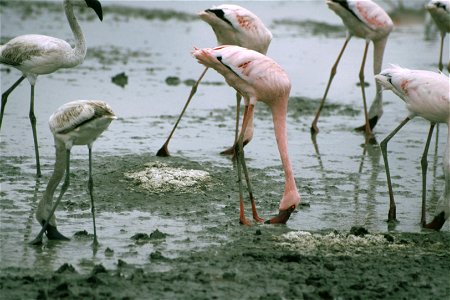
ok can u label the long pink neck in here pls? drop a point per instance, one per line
(290, 188)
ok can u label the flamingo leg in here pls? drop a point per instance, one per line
(424, 164)
(52, 232)
(314, 128)
(368, 131)
(231, 150)
(242, 219)
(238, 109)
(164, 151)
(91, 193)
(33, 128)
(241, 158)
(441, 65)
(392, 208)
(5, 97)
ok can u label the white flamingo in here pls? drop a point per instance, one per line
(232, 25)
(440, 12)
(34, 55)
(426, 94)
(367, 20)
(75, 123)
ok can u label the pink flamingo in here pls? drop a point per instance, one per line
(366, 20)
(232, 25)
(440, 12)
(257, 78)
(34, 55)
(426, 94)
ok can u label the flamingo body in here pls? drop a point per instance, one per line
(426, 94)
(254, 75)
(363, 19)
(80, 122)
(235, 25)
(34, 54)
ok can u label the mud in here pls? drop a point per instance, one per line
(223, 259)
(169, 227)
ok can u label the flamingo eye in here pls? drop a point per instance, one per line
(389, 78)
(440, 5)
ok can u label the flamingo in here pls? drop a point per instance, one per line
(257, 78)
(75, 123)
(363, 19)
(426, 94)
(35, 55)
(440, 12)
(232, 25)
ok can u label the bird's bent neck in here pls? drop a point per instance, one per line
(378, 53)
(80, 43)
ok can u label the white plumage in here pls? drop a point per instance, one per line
(75, 123)
(426, 94)
(34, 55)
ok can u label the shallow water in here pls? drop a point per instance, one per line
(344, 185)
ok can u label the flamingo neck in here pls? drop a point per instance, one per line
(378, 53)
(291, 195)
(46, 203)
(376, 109)
(80, 43)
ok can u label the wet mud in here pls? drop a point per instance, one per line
(169, 227)
(224, 259)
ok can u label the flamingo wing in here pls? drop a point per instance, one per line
(76, 113)
(369, 13)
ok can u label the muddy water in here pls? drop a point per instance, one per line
(341, 181)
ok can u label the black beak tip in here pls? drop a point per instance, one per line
(97, 7)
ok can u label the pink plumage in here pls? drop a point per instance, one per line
(257, 78)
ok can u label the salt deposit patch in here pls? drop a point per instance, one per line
(162, 178)
(334, 243)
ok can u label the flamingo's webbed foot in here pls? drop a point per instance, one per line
(163, 151)
(372, 122)
(52, 233)
(282, 217)
(437, 222)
